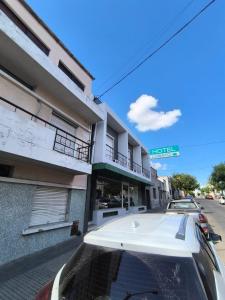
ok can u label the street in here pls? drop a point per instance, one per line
(215, 213)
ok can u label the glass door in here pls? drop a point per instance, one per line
(125, 196)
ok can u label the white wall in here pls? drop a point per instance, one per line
(100, 141)
(24, 43)
(123, 143)
(30, 139)
(137, 154)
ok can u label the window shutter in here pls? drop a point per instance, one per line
(49, 205)
(63, 124)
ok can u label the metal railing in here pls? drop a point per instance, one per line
(115, 156)
(146, 172)
(133, 166)
(65, 142)
(121, 159)
(136, 167)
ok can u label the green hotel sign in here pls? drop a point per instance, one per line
(164, 152)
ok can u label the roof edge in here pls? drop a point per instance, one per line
(53, 35)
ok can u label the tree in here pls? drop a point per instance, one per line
(184, 182)
(207, 189)
(217, 177)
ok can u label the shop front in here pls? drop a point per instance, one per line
(114, 195)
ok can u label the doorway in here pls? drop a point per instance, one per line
(148, 199)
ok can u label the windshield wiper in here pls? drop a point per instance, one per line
(129, 295)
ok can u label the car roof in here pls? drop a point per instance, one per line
(149, 233)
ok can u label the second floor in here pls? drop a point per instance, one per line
(116, 145)
(48, 132)
(32, 54)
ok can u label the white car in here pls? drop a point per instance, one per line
(189, 206)
(142, 257)
(222, 200)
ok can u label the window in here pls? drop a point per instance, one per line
(64, 124)
(6, 170)
(49, 205)
(108, 193)
(95, 273)
(24, 28)
(110, 147)
(71, 75)
(204, 244)
(135, 200)
(154, 193)
(7, 71)
(205, 269)
(183, 205)
(206, 265)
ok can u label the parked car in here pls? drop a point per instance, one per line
(142, 256)
(222, 200)
(209, 197)
(189, 206)
(114, 203)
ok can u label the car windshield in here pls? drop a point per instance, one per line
(183, 205)
(99, 273)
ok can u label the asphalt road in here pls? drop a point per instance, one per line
(215, 213)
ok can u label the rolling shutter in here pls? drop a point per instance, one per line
(63, 124)
(49, 205)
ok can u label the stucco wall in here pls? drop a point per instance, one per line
(15, 208)
(77, 207)
(16, 95)
(30, 139)
(27, 170)
(56, 51)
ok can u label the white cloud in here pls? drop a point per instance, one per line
(159, 166)
(141, 112)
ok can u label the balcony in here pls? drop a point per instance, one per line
(22, 56)
(26, 135)
(123, 161)
(115, 157)
(146, 172)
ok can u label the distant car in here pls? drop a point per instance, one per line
(142, 257)
(209, 197)
(189, 197)
(222, 200)
(188, 206)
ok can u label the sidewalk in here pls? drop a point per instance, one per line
(21, 279)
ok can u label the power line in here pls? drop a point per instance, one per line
(156, 37)
(159, 48)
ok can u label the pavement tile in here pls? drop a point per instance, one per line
(21, 279)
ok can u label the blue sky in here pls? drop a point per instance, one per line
(109, 36)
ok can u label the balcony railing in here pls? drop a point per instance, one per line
(65, 142)
(115, 156)
(146, 172)
(136, 167)
(121, 159)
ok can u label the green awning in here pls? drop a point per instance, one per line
(111, 168)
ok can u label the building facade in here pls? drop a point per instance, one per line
(160, 190)
(121, 176)
(167, 183)
(46, 116)
(66, 160)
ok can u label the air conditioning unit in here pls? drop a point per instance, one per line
(116, 161)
